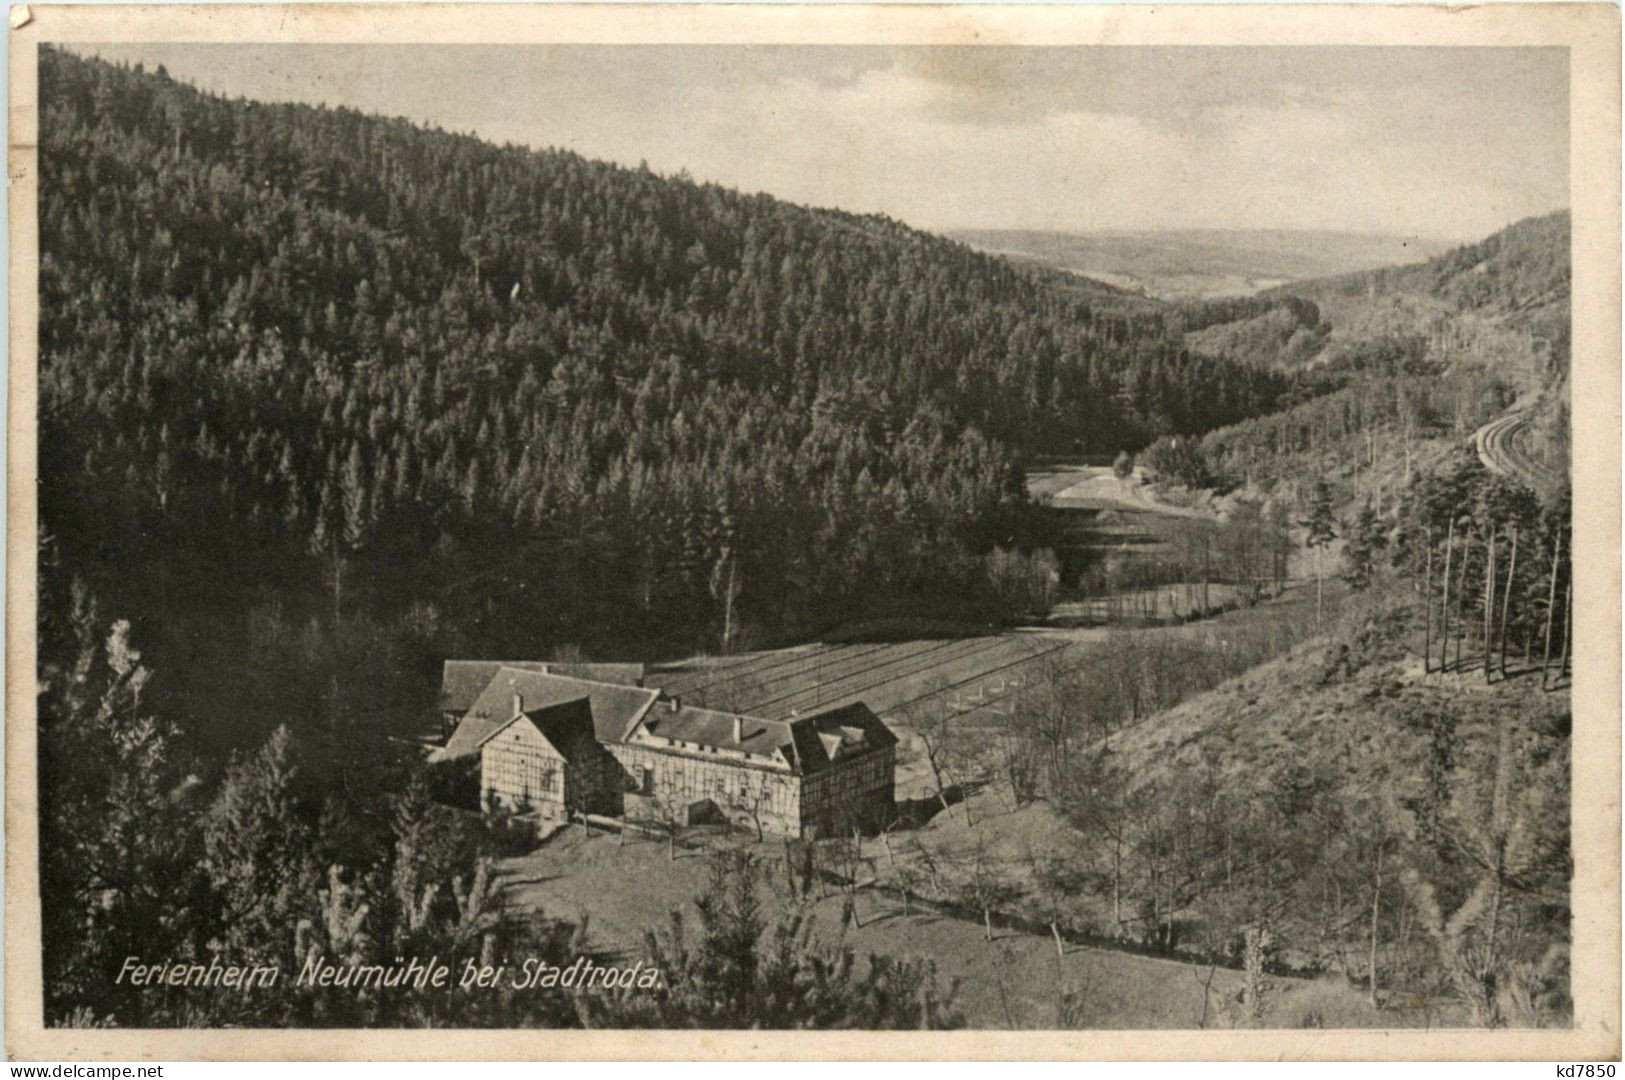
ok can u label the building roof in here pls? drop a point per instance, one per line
(823, 737)
(617, 673)
(462, 681)
(709, 727)
(567, 726)
(808, 744)
(615, 709)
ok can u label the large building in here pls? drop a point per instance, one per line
(559, 740)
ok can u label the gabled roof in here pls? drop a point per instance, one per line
(709, 727)
(808, 743)
(615, 709)
(462, 681)
(616, 673)
(567, 726)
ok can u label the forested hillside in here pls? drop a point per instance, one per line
(1521, 271)
(1501, 304)
(546, 400)
(1410, 361)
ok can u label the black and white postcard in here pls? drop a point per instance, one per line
(1072, 531)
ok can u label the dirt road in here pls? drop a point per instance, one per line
(1093, 487)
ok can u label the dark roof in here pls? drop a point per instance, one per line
(855, 725)
(615, 709)
(568, 726)
(619, 674)
(708, 727)
(462, 681)
(808, 743)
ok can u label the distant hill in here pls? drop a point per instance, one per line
(1182, 264)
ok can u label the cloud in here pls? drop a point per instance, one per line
(1452, 142)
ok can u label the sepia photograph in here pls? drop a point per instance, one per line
(1012, 535)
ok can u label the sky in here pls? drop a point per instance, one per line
(1440, 143)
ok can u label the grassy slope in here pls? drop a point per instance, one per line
(1009, 983)
(1306, 710)
(1356, 715)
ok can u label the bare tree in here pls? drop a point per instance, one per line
(1056, 880)
(844, 852)
(931, 720)
(667, 822)
(988, 887)
(1052, 709)
(1096, 801)
(907, 876)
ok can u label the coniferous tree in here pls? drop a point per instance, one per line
(258, 855)
(1363, 548)
(1319, 530)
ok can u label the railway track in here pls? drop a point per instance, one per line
(1502, 446)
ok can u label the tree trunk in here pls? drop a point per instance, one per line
(936, 773)
(1489, 596)
(1444, 606)
(338, 587)
(1551, 608)
(1060, 946)
(1319, 603)
(1206, 574)
(1376, 911)
(728, 607)
(1506, 599)
(1568, 626)
(1461, 599)
(987, 922)
(1427, 607)
(1117, 881)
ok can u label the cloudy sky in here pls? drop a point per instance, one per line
(1440, 143)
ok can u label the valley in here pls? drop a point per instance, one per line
(1205, 634)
